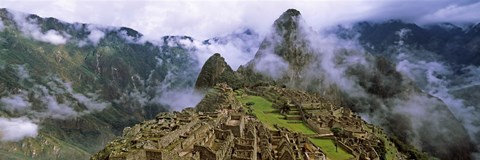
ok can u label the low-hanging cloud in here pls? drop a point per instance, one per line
(178, 99)
(15, 129)
(1, 25)
(454, 13)
(96, 34)
(16, 102)
(30, 28)
(439, 80)
(157, 18)
(47, 96)
(272, 65)
(237, 48)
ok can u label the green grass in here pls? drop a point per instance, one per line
(389, 146)
(270, 119)
(328, 147)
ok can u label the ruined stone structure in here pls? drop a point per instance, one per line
(226, 133)
(322, 116)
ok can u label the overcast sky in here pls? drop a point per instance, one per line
(206, 19)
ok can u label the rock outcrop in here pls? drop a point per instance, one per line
(215, 70)
(219, 97)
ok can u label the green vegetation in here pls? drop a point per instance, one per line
(392, 146)
(108, 70)
(390, 149)
(262, 109)
(328, 147)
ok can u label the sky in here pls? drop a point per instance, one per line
(206, 19)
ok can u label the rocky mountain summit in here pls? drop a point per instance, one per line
(215, 70)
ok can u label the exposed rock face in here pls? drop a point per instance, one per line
(288, 40)
(219, 97)
(215, 70)
(282, 54)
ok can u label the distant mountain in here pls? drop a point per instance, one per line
(447, 40)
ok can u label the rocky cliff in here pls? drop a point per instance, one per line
(215, 70)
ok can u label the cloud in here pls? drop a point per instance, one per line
(178, 99)
(29, 27)
(91, 102)
(56, 98)
(95, 34)
(15, 129)
(272, 65)
(455, 13)
(16, 102)
(439, 80)
(237, 48)
(205, 19)
(1, 25)
(22, 72)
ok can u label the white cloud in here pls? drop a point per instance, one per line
(179, 99)
(272, 65)
(22, 72)
(95, 36)
(205, 19)
(1, 25)
(455, 13)
(16, 102)
(437, 79)
(15, 129)
(30, 28)
(237, 48)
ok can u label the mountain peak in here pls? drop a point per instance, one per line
(287, 41)
(291, 13)
(288, 20)
(215, 70)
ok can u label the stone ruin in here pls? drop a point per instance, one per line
(226, 133)
(321, 115)
(219, 129)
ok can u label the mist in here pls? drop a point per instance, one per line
(30, 28)
(440, 80)
(29, 107)
(1, 25)
(15, 129)
(176, 100)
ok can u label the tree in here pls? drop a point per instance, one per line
(337, 131)
(284, 109)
